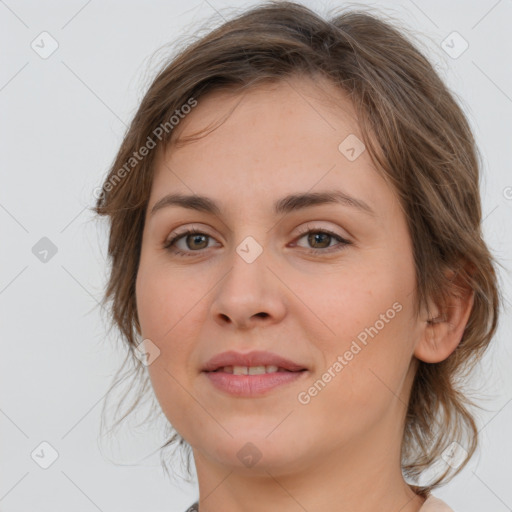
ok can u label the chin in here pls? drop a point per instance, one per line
(254, 453)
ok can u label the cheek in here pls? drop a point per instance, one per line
(362, 381)
(155, 305)
(164, 299)
(371, 329)
(352, 299)
(172, 305)
(166, 318)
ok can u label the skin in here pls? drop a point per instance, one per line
(324, 455)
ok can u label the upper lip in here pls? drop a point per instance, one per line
(255, 358)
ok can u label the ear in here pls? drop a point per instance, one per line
(442, 332)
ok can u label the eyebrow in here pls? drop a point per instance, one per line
(287, 204)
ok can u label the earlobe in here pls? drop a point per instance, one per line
(442, 332)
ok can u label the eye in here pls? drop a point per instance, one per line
(196, 240)
(323, 237)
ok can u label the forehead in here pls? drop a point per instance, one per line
(269, 140)
(296, 96)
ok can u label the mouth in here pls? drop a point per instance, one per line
(251, 374)
(253, 370)
(251, 363)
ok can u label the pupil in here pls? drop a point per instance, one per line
(312, 238)
(195, 238)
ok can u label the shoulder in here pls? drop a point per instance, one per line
(433, 504)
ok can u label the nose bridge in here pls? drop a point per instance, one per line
(246, 279)
(249, 291)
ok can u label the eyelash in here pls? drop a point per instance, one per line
(342, 241)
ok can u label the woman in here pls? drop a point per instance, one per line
(297, 261)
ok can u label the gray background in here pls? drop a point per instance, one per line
(62, 119)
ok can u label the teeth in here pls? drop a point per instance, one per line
(240, 370)
(249, 370)
(256, 370)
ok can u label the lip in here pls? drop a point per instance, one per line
(251, 385)
(255, 358)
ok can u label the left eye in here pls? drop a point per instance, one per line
(324, 237)
(200, 240)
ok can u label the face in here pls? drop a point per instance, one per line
(329, 286)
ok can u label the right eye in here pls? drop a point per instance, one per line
(197, 242)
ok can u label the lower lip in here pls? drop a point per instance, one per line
(251, 385)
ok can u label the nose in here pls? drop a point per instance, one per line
(249, 295)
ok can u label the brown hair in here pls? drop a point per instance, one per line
(416, 134)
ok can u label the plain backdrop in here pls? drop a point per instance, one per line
(63, 116)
